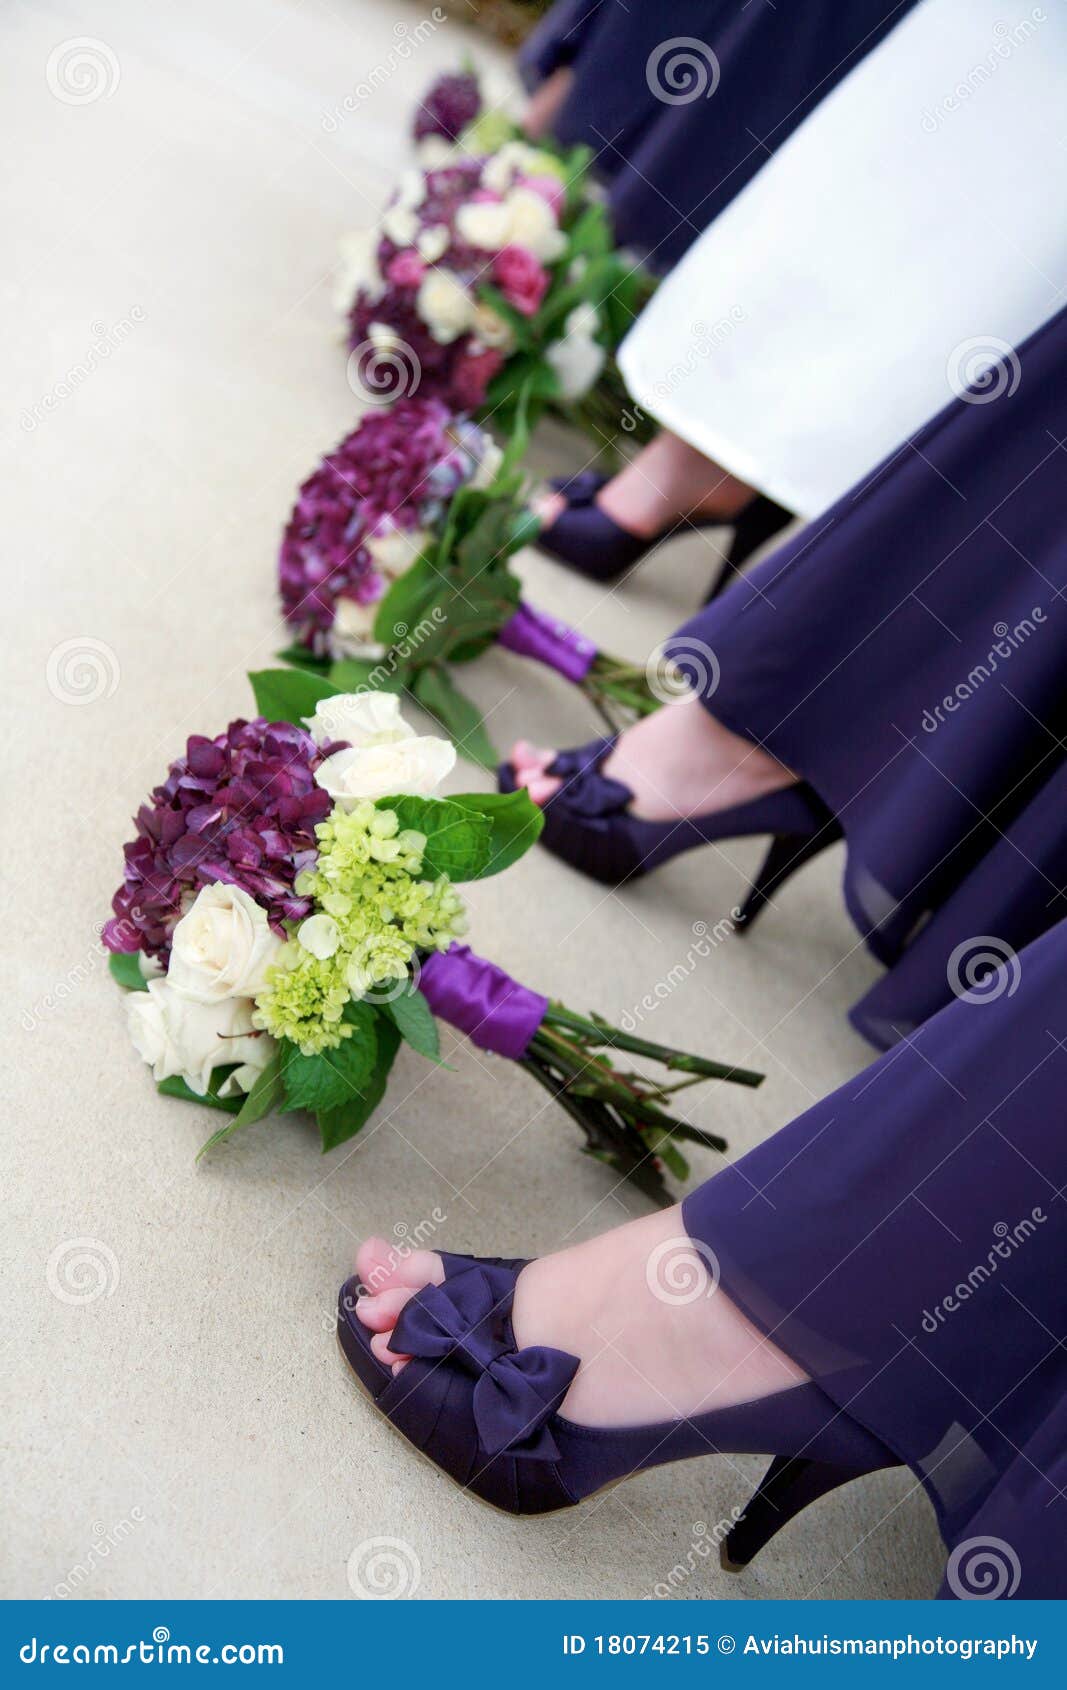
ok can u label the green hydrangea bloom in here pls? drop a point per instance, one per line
(366, 879)
(488, 133)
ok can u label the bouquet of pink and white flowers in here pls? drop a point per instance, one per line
(395, 565)
(289, 916)
(493, 276)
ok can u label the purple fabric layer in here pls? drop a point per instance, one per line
(533, 634)
(672, 164)
(905, 654)
(494, 1011)
(904, 1242)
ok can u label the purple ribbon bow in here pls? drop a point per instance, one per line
(494, 1011)
(467, 1321)
(533, 634)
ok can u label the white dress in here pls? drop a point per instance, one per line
(912, 229)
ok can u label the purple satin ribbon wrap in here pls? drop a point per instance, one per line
(476, 996)
(533, 634)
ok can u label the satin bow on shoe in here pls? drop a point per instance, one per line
(466, 1323)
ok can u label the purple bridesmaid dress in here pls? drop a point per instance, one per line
(734, 80)
(906, 653)
(904, 1241)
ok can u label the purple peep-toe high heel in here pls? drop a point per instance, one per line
(589, 824)
(487, 1413)
(594, 544)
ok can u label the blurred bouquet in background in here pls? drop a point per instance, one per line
(394, 566)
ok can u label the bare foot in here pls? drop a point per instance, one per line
(641, 1309)
(666, 481)
(677, 762)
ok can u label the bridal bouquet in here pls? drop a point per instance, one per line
(394, 565)
(291, 882)
(492, 276)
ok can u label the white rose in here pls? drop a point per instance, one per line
(383, 338)
(514, 158)
(395, 551)
(487, 224)
(176, 1035)
(362, 718)
(416, 766)
(353, 628)
(534, 226)
(444, 306)
(357, 267)
(320, 935)
(577, 359)
(411, 191)
(490, 462)
(432, 243)
(434, 151)
(222, 947)
(401, 225)
(491, 328)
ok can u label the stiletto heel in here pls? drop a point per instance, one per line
(488, 1413)
(788, 852)
(594, 544)
(589, 824)
(788, 1485)
(758, 523)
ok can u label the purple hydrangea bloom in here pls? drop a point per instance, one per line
(241, 808)
(398, 469)
(448, 106)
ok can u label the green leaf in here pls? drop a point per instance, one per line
(299, 657)
(334, 1077)
(266, 1092)
(176, 1087)
(414, 1021)
(125, 967)
(406, 602)
(288, 695)
(457, 839)
(461, 720)
(360, 674)
(514, 819)
(337, 1125)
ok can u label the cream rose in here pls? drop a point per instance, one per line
(357, 267)
(396, 550)
(362, 718)
(432, 242)
(222, 947)
(486, 224)
(491, 328)
(353, 628)
(176, 1035)
(444, 306)
(577, 359)
(534, 226)
(416, 766)
(401, 225)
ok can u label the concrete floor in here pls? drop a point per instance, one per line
(177, 1421)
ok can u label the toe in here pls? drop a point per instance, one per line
(547, 507)
(377, 1264)
(529, 759)
(380, 1313)
(418, 1268)
(380, 1347)
(541, 788)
